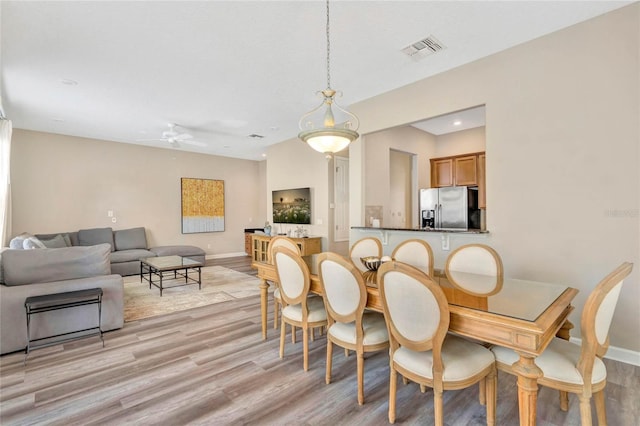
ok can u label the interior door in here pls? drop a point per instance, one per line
(341, 197)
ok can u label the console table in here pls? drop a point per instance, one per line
(260, 246)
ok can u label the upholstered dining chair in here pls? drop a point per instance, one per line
(568, 367)
(364, 247)
(349, 326)
(417, 315)
(475, 269)
(415, 252)
(279, 241)
(298, 310)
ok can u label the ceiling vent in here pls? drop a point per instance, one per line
(424, 47)
(256, 136)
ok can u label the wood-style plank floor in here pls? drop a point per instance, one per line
(209, 366)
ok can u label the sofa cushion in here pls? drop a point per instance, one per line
(48, 265)
(55, 242)
(91, 237)
(121, 256)
(127, 239)
(184, 251)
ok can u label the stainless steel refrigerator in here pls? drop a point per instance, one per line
(444, 208)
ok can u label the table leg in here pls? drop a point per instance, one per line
(264, 286)
(528, 373)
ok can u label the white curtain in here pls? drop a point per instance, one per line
(5, 182)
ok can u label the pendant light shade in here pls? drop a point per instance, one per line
(320, 130)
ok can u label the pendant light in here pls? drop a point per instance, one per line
(323, 134)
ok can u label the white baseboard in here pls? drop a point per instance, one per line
(617, 354)
(223, 255)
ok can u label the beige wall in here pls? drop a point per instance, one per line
(64, 183)
(462, 142)
(562, 136)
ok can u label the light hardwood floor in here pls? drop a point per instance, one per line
(209, 366)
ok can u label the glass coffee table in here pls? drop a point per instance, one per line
(157, 267)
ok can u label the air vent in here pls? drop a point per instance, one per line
(424, 47)
(256, 136)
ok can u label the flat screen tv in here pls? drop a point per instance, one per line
(292, 206)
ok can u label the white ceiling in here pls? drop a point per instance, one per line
(226, 69)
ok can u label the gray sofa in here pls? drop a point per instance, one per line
(128, 246)
(28, 273)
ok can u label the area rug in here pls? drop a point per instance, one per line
(219, 284)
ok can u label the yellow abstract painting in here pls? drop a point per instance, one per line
(202, 205)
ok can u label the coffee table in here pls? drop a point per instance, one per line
(159, 266)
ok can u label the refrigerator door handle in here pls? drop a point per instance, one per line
(440, 214)
(435, 215)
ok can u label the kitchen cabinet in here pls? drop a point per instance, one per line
(482, 197)
(466, 170)
(441, 172)
(457, 170)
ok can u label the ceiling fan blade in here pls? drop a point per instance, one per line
(194, 143)
(150, 140)
(183, 137)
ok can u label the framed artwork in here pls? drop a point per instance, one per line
(202, 205)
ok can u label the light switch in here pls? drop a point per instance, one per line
(109, 213)
(445, 242)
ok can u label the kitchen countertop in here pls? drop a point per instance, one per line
(470, 231)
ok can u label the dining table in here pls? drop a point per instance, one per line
(524, 315)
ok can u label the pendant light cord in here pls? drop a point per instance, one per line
(328, 51)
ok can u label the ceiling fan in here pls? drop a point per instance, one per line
(175, 138)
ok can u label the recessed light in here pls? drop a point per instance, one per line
(227, 146)
(264, 155)
(69, 82)
(457, 123)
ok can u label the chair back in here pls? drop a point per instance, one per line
(364, 247)
(416, 253)
(596, 318)
(475, 269)
(293, 275)
(415, 309)
(344, 290)
(281, 241)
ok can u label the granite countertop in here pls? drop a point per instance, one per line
(469, 231)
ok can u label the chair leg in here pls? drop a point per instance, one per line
(564, 400)
(360, 370)
(437, 406)
(423, 388)
(405, 381)
(491, 385)
(346, 353)
(392, 395)
(482, 387)
(276, 308)
(282, 333)
(313, 334)
(305, 347)
(585, 409)
(327, 377)
(601, 411)
(293, 335)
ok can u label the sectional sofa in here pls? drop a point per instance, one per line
(128, 246)
(27, 273)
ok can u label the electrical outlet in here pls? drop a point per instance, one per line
(114, 220)
(445, 242)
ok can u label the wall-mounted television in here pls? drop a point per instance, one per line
(292, 206)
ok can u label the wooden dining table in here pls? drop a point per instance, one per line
(524, 316)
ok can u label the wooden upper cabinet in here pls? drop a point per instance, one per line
(458, 170)
(482, 193)
(466, 170)
(441, 172)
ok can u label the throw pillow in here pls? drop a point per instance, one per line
(18, 241)
(32, 243)
(56, 242)
(127, 239)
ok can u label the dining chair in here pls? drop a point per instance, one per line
(415, 252)
(417, 315)
(475, 269)
(298, 310)
(279, 241)
(570, 368)
(364, 247)
(349, 326)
